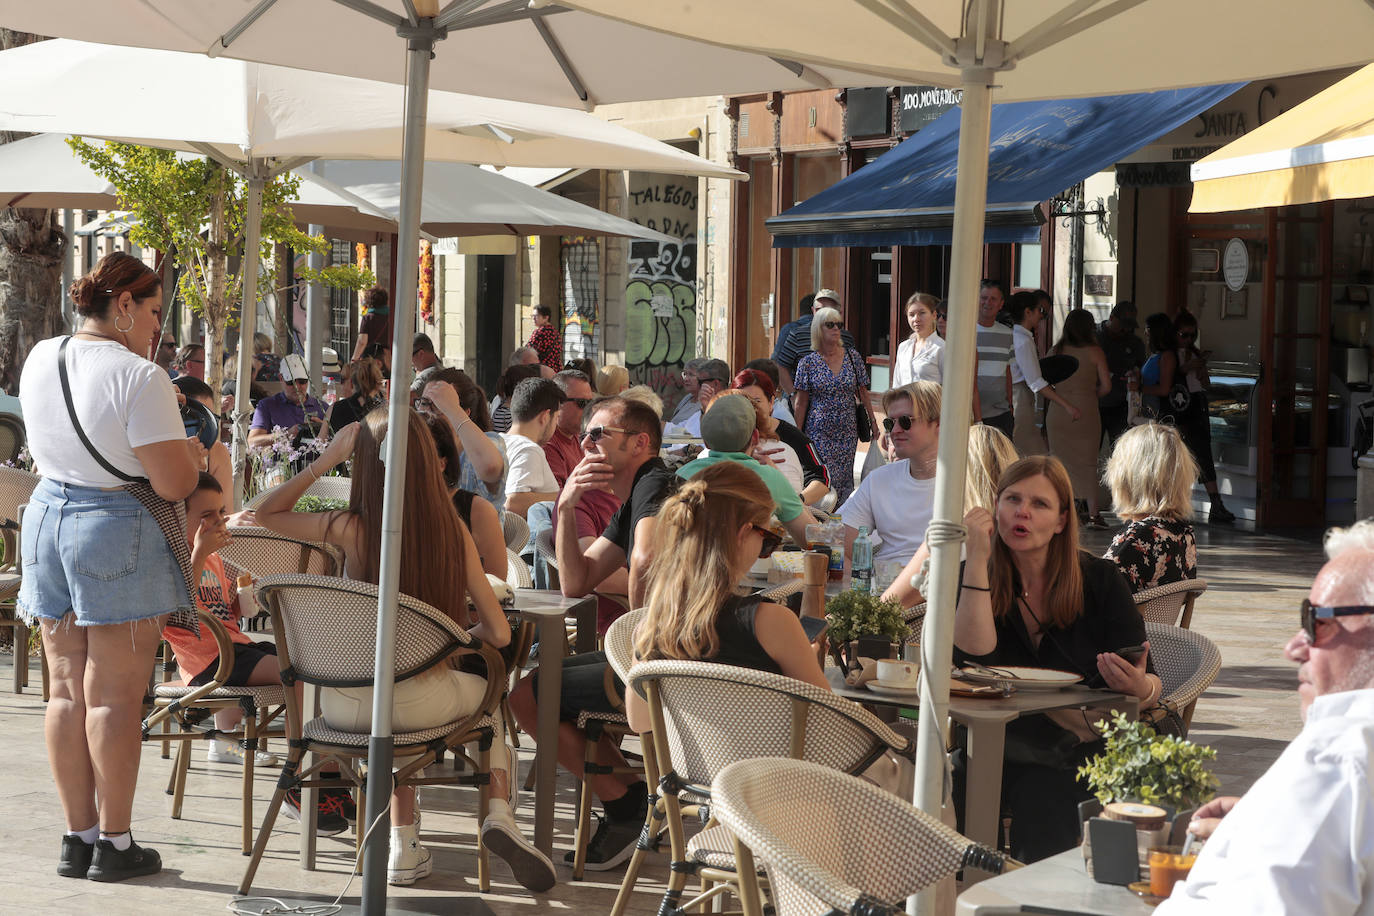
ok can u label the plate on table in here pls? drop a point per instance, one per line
(1021, 678)
(892, 690)
(980, 691)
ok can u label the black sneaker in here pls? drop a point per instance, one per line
(612, 844)
(344, 804)
(110, 864)
(75, 857)
(329, 819)
(1220, 515)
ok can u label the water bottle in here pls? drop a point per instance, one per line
(861, 564)
(331, 391)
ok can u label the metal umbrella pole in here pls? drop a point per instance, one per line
(420, 36)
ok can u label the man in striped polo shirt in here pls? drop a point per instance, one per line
(994, 358)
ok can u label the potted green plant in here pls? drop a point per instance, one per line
(1139, 765)
(863, 624)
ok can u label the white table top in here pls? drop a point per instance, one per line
(1059, 884)
(546, 602)
(1005, 708)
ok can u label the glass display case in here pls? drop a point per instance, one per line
(1231, 408)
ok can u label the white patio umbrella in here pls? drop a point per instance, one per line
(260, 120)
(1029, 49)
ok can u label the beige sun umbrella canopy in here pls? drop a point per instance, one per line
(1321, 149)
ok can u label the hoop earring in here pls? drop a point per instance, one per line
(124, 330)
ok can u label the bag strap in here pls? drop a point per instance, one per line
(849, 358)
(76, 424)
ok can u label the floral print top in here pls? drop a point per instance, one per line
(549, 346)
(1155, 551)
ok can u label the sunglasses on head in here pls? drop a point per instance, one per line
(833, 325)
(771, 541)
(597, 433)
(1311, 613)
(905, 421)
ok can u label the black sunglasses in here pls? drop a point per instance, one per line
(1311, 613)
(581, 402)
(597, 433)
(771, 541)
(889, 422)
(832, 325)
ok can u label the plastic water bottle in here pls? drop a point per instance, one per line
(331, 391)
(861, 564)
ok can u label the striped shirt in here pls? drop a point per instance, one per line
(994, 355)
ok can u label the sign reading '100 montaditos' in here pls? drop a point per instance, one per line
(920, 105)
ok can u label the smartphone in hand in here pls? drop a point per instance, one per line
(1131, 653)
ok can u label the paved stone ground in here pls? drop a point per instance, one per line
(1250, 610)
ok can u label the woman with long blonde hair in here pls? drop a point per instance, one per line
(1029, 597)
(989, 453)
(706, 536)
(446, 574)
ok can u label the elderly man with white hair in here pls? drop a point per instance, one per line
(1302, 839)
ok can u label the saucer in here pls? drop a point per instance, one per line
(892, 690)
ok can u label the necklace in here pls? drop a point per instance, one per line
(99, 335)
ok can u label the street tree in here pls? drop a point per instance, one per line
(194, 210)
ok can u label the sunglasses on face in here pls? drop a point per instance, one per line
(771, 541)
(1311, 613)
(833, 325)
(889, 422)
(580, 402)
(597, 433)
(168, 345)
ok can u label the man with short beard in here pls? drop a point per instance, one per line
(1302, 839)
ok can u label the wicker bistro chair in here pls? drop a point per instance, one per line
(178, 704)
(331, 487)
(517, 570)
(12, 436)
(543, 545)
(266, 553)
(832, 843)
(1187, 662)
(516, 530)
(326, 630)
(1165, 603)
(16, 486)
(705, 716)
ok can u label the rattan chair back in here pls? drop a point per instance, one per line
(834, 843)
(12, 436)
(267, 553)
(543, 544)
(620, 643)
(516, 530)
(1186, 661)
(324, 488)
(16, 486)
(517, 571)
(717, 714)
(1166, 603)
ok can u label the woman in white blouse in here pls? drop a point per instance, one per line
(1027, 310)
(921, 357)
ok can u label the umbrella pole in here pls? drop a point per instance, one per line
(248, 314)
(419, 46)
(946, 530)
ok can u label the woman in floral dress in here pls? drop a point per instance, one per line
(1151, 475)
(825, 383)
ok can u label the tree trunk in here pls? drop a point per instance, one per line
(31, 250)
(216, 310)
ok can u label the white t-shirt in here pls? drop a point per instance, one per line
(787, 461)
(529, 468)
(122, 400)
(928, 365)
(896, 509)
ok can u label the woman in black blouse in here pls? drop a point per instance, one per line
(362, 393)
(1031, 598)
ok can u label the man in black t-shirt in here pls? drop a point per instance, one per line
(621, 439)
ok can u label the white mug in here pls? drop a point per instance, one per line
(897, 673)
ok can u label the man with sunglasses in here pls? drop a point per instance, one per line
(1302, 839)
(729, 430)
(895, 501)
(425, 362)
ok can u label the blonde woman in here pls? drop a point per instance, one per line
(1151, 474)
(612, 380)
(645, 395)
(989, 453)
(825, 385)
(706, 537)
(922, 355)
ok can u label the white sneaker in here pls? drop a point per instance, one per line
(407, 861)
(503, 838)
(223, 751)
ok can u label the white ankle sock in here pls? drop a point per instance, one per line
(121, 841)
(87, 836)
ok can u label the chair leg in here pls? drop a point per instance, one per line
(483, 808)
(21, 657)
(677, 878)
(183, 763)
(360, 830)
(250, 737)
(269, 820)
(584, 806)
(43, 667)
(750, 895)
(649, 835)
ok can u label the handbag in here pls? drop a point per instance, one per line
(170, 516)
(861, 423)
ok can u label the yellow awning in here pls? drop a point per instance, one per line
(1320, 150)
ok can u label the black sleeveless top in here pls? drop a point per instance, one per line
(739, 646)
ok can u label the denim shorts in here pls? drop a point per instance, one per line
(97, 553)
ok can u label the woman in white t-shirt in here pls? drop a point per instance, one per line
(921, 357)
(97, 562)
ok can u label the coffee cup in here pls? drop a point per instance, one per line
(894, 672)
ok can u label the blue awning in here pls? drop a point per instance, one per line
(1038, 149)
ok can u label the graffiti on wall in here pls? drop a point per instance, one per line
(661, 287)
(580, 263)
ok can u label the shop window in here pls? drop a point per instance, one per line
(1028, 266)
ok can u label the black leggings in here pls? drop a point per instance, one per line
(1196, 429)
